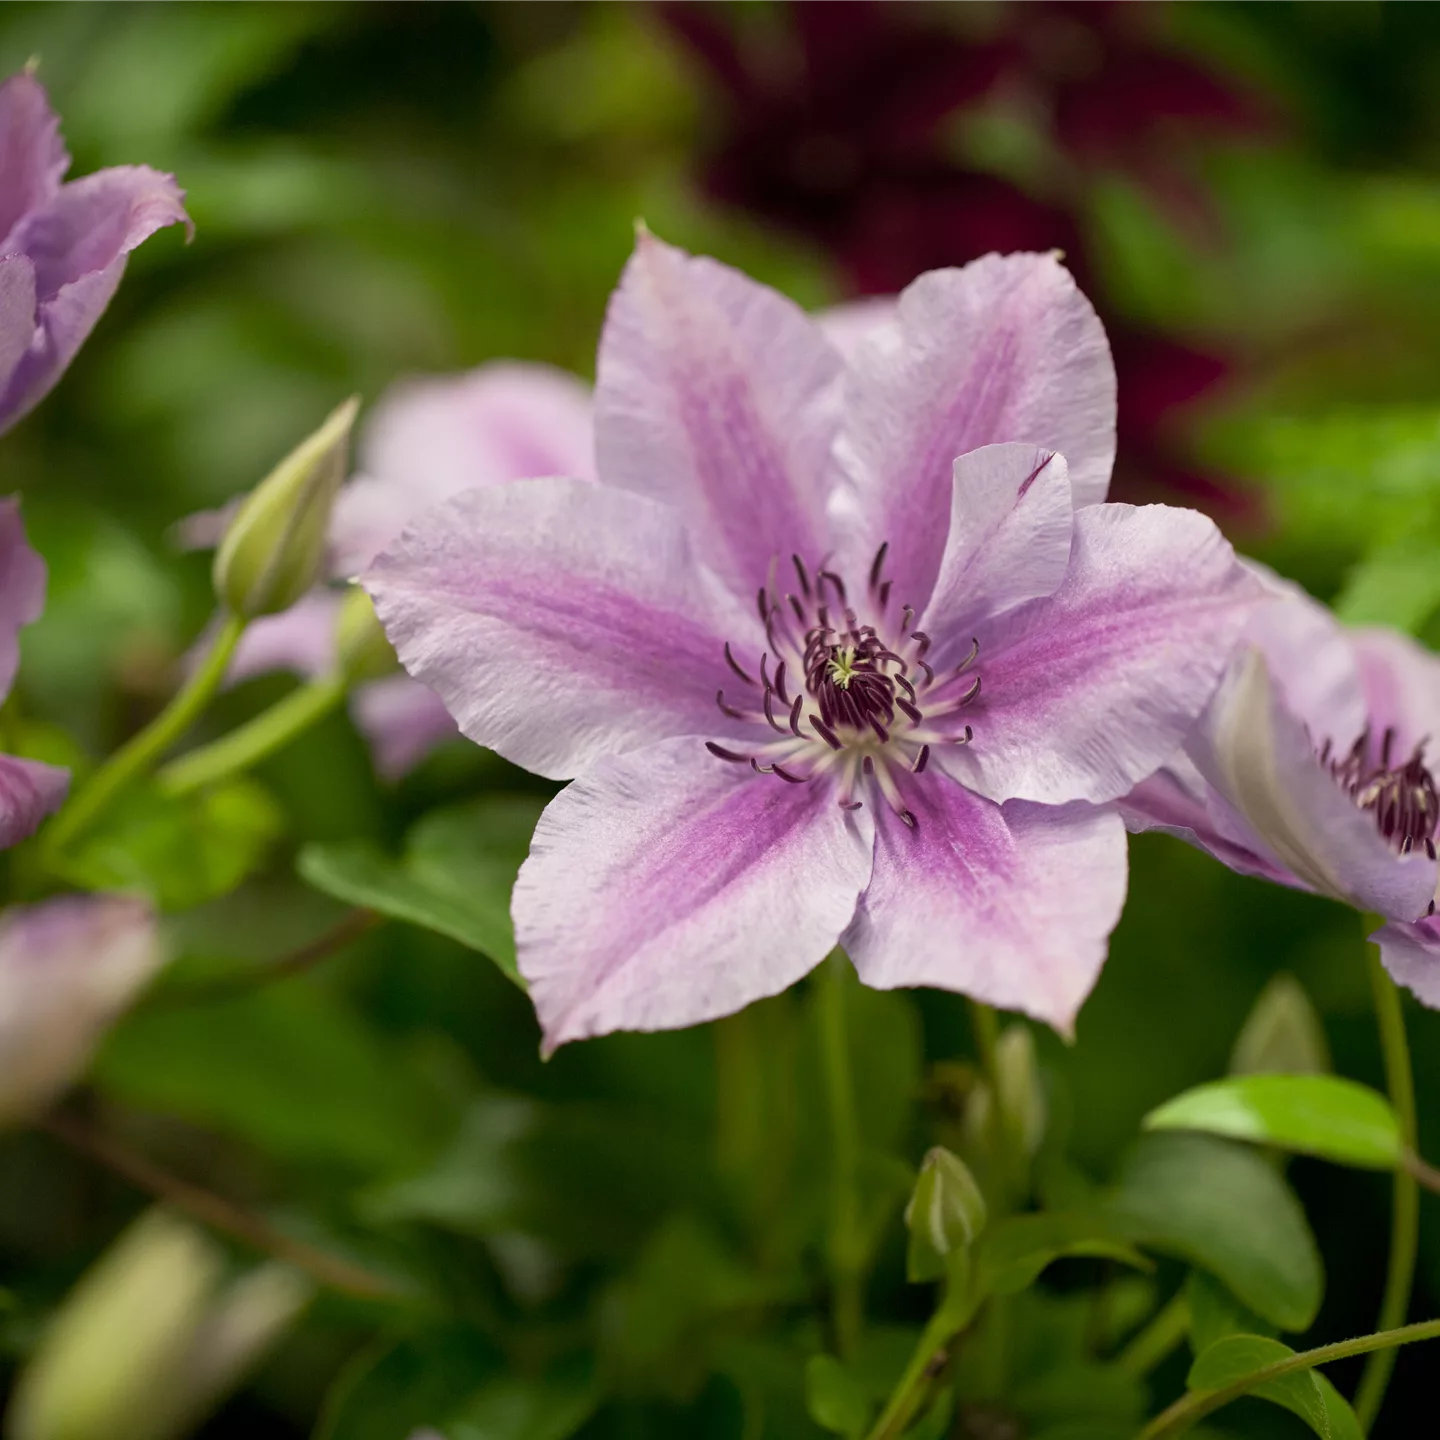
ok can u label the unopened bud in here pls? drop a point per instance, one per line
(68, 967)
(274, 549)
(361, 647)
(945, 1214)
(1022, 1100)
(151, 1335)
(1282, 1034)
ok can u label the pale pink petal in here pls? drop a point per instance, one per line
(300, 639)
(403, 721)
(17, 313)
(665, 888)
(33, 161)
(1010, 525)
(1261, 759)
(1411, 953)
(1006, 349)
(1401, 679)
(1086, 693)
(29, 791)
(561, 621)
(78, 243)
(22, 589)
(68, 967)
(850, 325)
(1012, 905)
(429, 439)
(720, 397)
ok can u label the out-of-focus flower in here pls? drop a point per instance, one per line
(29, 790)
(426, 440)
(68, 968)
(64, 245)
(274, 546)
(759, 643)
(847, 134)
(151, 1338)
(1311, 768)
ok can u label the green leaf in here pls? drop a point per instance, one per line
(1304, 1393)
(513, 1407)
(455, 877)
(836, 1399)
(1216, 1313)
(1320, 1115)
(1224, 1208)
(1013, 1252)
(180, 851)
(1282, 1035)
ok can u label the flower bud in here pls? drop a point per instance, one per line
(361, 648)
(1022, 1099)
(68, 967)
(945, 1214)
(1282, 1035)
(274, 548)
(150, 1334)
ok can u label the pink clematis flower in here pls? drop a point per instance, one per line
(817, 680)
(64, 246)
(1312, 768)
(427, 440)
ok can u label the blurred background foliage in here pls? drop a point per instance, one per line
(1251, 194)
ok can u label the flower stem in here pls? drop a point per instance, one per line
(846, 1242)
(927, 1360)
(1405, 1212)
(141, 751)
(219, 1214)
(1155, 1342)
(1190, 1408)
(252, 742)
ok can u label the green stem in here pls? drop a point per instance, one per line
(846, 1243)
(1190, 1408)
(269, 731)
(141, 751)
(1405, 1213)
(987, 1039)
(926, 1361)
(1157, 1339)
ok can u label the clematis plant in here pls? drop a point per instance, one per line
(1311, 768)
(65, 244)
(835, 652)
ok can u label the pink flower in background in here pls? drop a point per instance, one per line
(29, 790)
(819, 680)
(68, 967)
(1312, 767)
(64, 245)
(427, 440)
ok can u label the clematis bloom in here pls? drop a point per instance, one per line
(816, 679)
(1312, 767)
(426, 440)
(64, 246)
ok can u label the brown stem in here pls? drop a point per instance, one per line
(351, 927)
(220, 1214)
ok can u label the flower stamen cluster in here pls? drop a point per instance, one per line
(1402, 798)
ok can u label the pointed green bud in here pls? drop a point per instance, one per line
(361, 648)
(1022, 1099)
(274, 548)
(945, 1214)
(1282, 1035)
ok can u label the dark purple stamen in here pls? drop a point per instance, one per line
(921, 761)
(826, 733)
(730, 710)
(803, 574)
(1403, 799)
(721, 753)
(780, 683)
(877, 567)
(795, 710)
(734, 664)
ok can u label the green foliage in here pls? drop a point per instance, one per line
(1015, 1250)
(1305, 1393)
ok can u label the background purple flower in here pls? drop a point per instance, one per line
(819, 680)
(64, 245)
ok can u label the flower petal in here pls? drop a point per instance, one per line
(1012, 905)
(1401, 681)
(402, 720)
(1411, 953)
(22, 588)
(721, 397)
(561, 621)
(1262, 760)
(78, 243)
(29, 791)
(301, 639)
(33, 161)
(17, 312)
(432, 438)
(1088, 692)
(850, 325)
(667, 888)
(1006, 349)
(68, 967)
(1011, 520)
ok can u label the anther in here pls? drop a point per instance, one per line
(971, 693)
(734, 664)
(770, 713)
(969, 660)
(786, 775)
(721, 753)
(730, 710)
(907, 818)
(883, 595)
(860, 805)
(795, 710)
(906, 616)
(905, 707)
(878, 565)
(924, 642)
(921, 760)
(826, 733)
(780, 683)
(835, 580)
(1430, 848)
(802, 573)
(762, 605)
(868, 765)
